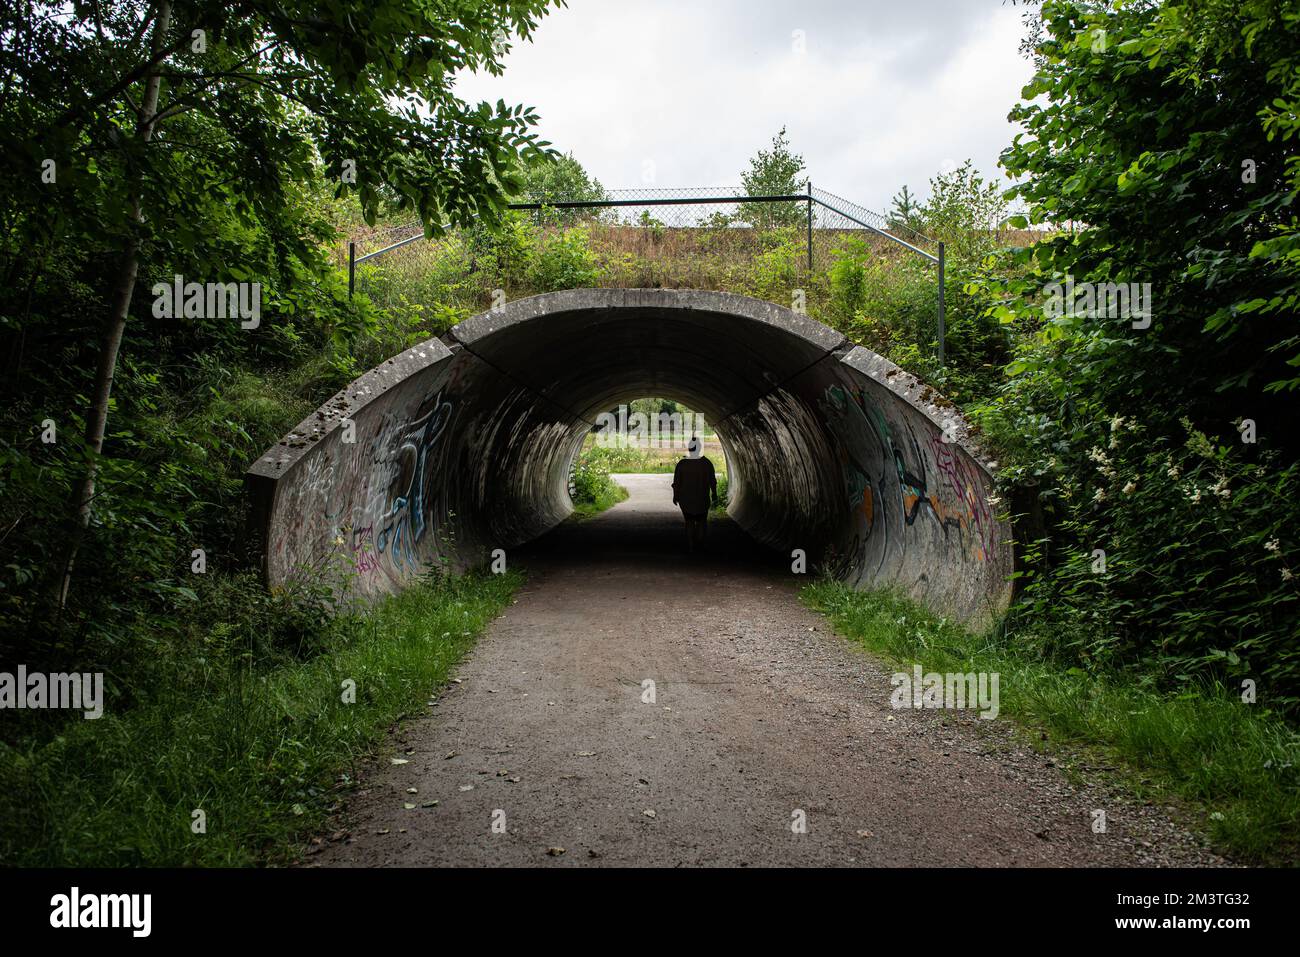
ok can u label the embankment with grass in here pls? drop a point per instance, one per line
(238, 766)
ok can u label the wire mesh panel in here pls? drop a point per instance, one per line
(838, 209)
(700, 238)
(772, 247)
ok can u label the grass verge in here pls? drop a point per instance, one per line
(602, 493)
(722, 500)
(1233, 765)
(259, 754)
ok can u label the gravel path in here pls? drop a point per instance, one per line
(759, 713)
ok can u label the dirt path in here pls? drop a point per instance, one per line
(758, 713)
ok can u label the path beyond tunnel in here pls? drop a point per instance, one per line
(462, 445)
(646, 533)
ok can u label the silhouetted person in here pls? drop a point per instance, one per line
(695, 488)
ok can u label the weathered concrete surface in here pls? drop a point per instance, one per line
(464, 445)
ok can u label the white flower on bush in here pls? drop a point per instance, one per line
(1099, 495)
(1130, 487)
(1220, 487)
(1286, 575)
(1103, 462)
(1194, 496)
(1273, 545)
(1117, 423)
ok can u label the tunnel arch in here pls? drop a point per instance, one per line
(463, 444)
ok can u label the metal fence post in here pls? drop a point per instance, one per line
(810, 246)
(941, 329)
(836, 206)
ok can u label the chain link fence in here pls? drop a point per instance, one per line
(700, 238)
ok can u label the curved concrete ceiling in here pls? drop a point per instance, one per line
(463, 444)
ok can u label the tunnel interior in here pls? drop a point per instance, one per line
(464, 445)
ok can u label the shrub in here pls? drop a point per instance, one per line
(563, 260)
(1175, 558)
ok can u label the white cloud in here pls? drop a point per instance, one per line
(885, 94)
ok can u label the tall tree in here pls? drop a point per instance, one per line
(1195, 197)
(965, 211)
(561, 179)
(135, 114)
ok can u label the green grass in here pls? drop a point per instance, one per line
(607, 494)
(642, 460)
(1234, 767)
(722, 500)
(260, 753)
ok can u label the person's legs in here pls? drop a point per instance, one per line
(697, 531)
(694, 530)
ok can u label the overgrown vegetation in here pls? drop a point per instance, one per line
(722, 497)
(142, 150)
(1159, 452)
(591, 488)
(253, 737)
(642, 459)
(861, 284)
(148, 140)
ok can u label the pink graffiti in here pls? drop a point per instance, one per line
(363, 550)
(964, 481)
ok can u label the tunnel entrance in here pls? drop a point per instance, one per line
(632, 455)
(645, 535)
(463, 445)
(650, 435)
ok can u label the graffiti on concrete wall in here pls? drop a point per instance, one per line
(858, 449)
(410, 495)
(970, 509)
(375, 502)
(361, 549)
(929, 481)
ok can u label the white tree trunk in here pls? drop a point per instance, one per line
(123, 290)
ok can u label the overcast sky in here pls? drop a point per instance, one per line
(682, 92)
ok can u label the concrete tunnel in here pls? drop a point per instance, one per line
(464, 443)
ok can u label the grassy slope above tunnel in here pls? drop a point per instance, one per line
(463, 445)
